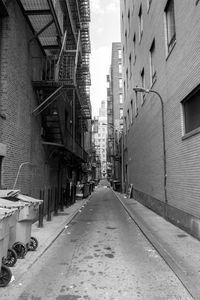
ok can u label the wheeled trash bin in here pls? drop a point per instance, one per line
(28, 218)
(5, 272)
(23, 240)
(10, 258)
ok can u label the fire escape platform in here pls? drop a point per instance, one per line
(42, 18)
(3, 9)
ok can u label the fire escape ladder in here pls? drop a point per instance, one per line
(71, 17)
(76, 58)
(60, 57)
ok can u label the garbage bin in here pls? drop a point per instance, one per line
(10, 258)
(116, 185)
(79, 191)
(26, 218)
(23, 241)
(5, 273)
(86, 187)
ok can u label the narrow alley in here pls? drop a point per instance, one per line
(101, 254)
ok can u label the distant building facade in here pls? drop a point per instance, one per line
(160, 50)
(114, 110)
(100, 137)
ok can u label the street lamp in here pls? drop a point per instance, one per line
(147, 91)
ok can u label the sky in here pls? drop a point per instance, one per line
(104, 29)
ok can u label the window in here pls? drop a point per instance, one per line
(131, 111)
(119, 53)
(152, 63)
(127, 78)
(120, 68)
(170, 25)
(120, 83)
(191, 111)
(125, 125)
(128, 119)
(136, 106)
(143, 85)
(148, 4)
(129, 21)
(126, 38)
(120, 98)
(121, 113)
(130, 65)
(134, 44)
(140, 23)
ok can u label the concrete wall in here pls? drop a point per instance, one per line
(177, 75)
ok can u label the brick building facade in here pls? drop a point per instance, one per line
(44, 120)
(160, 42)
(114, 110)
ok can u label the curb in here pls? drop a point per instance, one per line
(182, 275)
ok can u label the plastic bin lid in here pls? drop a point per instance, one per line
(6, 212)
(8, 193)
(4, 203)
(29, 199)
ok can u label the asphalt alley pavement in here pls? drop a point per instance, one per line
(178, 248)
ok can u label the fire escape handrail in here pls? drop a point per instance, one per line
(62, 48)
(76, 58)
(45, 103)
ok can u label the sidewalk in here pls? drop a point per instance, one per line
(45, 236)
(179, 249)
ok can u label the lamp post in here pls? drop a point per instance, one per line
(22, 164)
(147, 91)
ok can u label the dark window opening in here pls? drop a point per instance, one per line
(191, 109)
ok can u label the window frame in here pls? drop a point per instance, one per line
(149, 2)
(131, 111)
(140, 23)
(170, 40)
(134, 48)
(186, 132)
(153, 73)
(142, 74)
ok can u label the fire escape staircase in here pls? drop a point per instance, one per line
(64, 71)
(57, 81)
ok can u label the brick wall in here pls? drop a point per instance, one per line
(177, 76)
(20, 130)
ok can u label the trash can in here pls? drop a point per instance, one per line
(11, 257)
(116, 185)
(26, 218)
(23, 240)
(86, 191)
(79, 191)
(5, 272)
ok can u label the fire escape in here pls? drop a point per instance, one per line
(61, 77)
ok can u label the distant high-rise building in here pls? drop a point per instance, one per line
(114, 110)
(100, 137)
